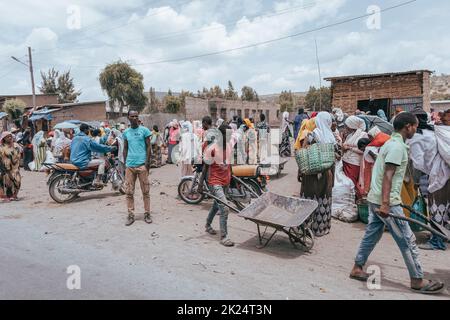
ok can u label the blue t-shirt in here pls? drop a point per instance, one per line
(137, 150)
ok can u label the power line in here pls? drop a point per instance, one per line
(117, 27)
(200, 30)
(276, 39)
(269, 41)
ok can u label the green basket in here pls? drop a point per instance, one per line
(363, 211)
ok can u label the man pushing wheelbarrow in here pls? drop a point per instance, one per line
(385, 208)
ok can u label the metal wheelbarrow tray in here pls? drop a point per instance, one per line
(285, 214)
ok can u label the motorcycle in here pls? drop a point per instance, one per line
(66, 181)
(246, 183)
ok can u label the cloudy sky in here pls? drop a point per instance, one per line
(159, 38)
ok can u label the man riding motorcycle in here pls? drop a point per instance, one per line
(82, 147)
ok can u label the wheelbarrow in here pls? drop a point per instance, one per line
(431, 225)
(282, 214)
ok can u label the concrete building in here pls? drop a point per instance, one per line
(196, 108)
(440, 106)
(41, 99)
(387, 91)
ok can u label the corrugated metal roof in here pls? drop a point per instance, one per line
(388, 74)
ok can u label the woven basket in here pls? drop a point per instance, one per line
(316, 158)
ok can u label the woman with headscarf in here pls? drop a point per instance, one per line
(252, 142)
(376, 139)
(174, 139)
(189, 144)
(10, 179)
(340, 118)
(156, 142)
(59, 143)
(381, 114)
(351, 159)
(39, 149)
(319, 186)
(286, 134)
(432, 172)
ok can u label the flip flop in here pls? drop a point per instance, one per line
(363, 277)
(430, 288)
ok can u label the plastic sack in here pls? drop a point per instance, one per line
(344, 207)
(32, 165)
(49, 158)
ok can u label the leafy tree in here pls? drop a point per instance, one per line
(230, 93)
(173, 104)
(169, 93)
(183, 96)
(249, 94)
(154, 101)
(49, 83)
(123, 84)
(14, 108)
(66, 88)
(318, 99)
(286, 101)
(62, 85)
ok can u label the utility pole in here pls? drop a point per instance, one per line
(32, 77)
(320, 77)
(30, 66)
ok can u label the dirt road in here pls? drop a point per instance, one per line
(173, 258)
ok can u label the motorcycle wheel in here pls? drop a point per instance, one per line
(184, 191)
(56, 183)
(255, 187)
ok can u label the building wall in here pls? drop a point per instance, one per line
(85, 112)
(28, 99)
(439, 107)
(197, 108)
(347, 92)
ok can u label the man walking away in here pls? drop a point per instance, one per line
(137, 157)
(384, 198)
(298, 121)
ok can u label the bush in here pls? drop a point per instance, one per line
(173, 104)
(14, 108)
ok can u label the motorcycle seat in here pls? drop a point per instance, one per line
(67, 166)
(250, 170)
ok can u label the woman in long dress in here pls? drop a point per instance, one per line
(156, 142)
(351, 160)
(286, 134)
(10, 179)
(319, 186)
(39, 149)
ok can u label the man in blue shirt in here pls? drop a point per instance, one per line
(137, 156)
(298, 121)
(81, 150)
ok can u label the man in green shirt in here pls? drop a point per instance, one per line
(384, 198)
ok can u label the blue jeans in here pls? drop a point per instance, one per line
(402, 234)
(219, 192)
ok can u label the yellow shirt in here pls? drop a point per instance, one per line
(307, 126)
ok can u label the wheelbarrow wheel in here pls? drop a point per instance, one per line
(303, 236)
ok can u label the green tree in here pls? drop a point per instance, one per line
(49, 84)
(318, 99)
(286, 101)
(154, 101)
(14, 108)
(249, 94)
(230, 93)
(62, 85)
(123, 84)
(66, 88)
(183, 96)
(173, 104)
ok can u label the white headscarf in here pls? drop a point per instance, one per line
(355, 123)
(285, 123)
(219, 122)
(339, 114)
(323, 131)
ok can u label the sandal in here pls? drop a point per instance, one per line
(210, 230)
(360, 277)
(227, 242)
(430, 288)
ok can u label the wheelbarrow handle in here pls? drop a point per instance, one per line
(415, 212)
(423, 225)
(220, 200)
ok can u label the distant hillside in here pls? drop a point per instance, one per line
(273, 97)
(440, 87)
